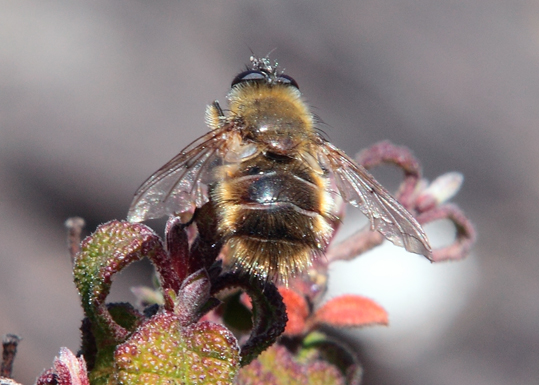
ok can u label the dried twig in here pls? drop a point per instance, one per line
(74, 229)
(9, 345)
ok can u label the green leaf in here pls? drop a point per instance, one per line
(164, 352)
(112, 247)
(333, 352)
(276, 366)
(98, 347)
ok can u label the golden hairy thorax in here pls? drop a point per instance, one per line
(272, 115)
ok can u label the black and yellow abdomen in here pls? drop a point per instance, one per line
(274, 213)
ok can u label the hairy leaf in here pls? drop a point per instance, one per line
(349, 311)
(112, 247)
(164, 352)
(276, 366)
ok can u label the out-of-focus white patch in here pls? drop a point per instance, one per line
(422, 298)
(444, 187)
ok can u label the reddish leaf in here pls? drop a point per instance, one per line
(67, 370)
(297, 311)
(191, 300)
(350, 310)
(276, 366)
(321, 372)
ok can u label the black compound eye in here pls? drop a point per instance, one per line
(285, 79)
(247, 76)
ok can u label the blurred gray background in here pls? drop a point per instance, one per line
(95, 96)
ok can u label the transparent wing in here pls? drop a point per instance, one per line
(181, 184)
(385, 214)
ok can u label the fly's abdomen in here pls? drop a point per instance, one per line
(274, 216)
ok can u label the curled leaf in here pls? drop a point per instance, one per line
(112, 247)
(268, 309)
(386, 152)
(465, 232)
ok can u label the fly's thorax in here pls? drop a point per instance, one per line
(274, 115)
